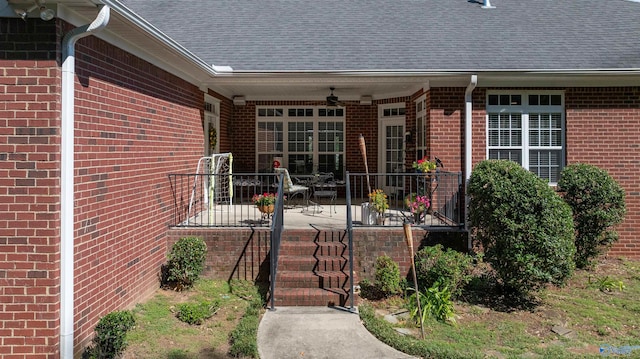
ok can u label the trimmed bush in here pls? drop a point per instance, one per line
(110, 340)
(387, 276)
(185, 262)
(598, 204)
(448, 267)
(197, 313)
(524, 227)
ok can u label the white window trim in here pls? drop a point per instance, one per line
(423, 113)
(525, 109)
(382, 135)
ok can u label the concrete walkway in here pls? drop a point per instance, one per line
(318, 332)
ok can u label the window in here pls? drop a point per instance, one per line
(527, 128)
(307, 139)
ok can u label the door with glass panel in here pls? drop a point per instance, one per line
(392, 156)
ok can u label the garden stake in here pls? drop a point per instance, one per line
(408, 235)
(363, 150)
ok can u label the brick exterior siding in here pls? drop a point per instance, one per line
(602, 128)
(29, 190)
(134, 125)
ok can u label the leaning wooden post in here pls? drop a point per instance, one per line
(408, 235)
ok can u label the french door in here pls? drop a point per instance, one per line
(392, 154)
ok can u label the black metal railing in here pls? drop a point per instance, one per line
(219, 200)
(405, 192)
(277, 225)
(352, 307)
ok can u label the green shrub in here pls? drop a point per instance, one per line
(435, 302)
(598, 203)
(110, 339)
(387, 276)
(524, 227)
(197, 313)
(448, 267)
(185, 262)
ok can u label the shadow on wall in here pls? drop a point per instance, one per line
(453, 240)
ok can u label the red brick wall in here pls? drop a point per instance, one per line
(135, 124)
(243, 138)
(446, 124)
(232, 253)
(361, 119)
(29, 184)
(246, 251)
(603, 129)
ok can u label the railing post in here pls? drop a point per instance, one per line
(275, 238)
(350, 237)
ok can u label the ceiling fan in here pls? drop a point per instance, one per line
(332, 100)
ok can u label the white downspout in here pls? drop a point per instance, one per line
(67, 178)
(468, 150)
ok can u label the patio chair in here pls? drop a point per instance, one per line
(324, 187)
(290, 189)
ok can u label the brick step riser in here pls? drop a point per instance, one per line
(313, 282)
(323, 299)
(312, 250)
(304, 265)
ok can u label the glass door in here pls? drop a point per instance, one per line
(392, 156)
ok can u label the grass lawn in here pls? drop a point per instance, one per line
(591, 308)
(590, 313)
(159, 334)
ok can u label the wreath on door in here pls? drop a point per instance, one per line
(213, 138)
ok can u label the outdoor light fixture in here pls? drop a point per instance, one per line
(46, 14)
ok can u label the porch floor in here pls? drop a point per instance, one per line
(316, 216)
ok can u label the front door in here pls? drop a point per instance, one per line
(392, 151)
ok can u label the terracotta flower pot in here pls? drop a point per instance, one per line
(268, 208)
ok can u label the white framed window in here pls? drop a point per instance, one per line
(420, 135)
(305, 139)
(528, 128)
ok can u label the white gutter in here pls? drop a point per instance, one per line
(67, 179)
(468, 149)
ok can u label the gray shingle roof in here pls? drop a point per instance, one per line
(426, 35)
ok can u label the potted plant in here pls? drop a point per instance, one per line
(418, 205)
(265, 202)
(379, 202)
(424, 165)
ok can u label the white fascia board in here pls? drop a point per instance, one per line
(156, 33)
(193, 69)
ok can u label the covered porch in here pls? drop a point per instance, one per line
(226, 200)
